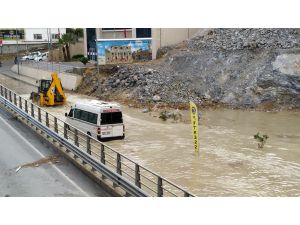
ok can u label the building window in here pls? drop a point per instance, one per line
(37, 36)
(143, 32)
(55, 36)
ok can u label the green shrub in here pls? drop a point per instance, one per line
(77, 57)
(163, 115)
(84, 60)
(261, 139)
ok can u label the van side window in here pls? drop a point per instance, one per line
(93, 118)
(85, 116)
(77, 113)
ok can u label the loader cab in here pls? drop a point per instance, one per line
(44, 86)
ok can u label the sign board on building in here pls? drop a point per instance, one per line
(12, 34)
(115, 51)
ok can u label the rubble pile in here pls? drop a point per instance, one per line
(238, 68)
(237, 39)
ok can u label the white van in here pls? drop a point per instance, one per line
(101, 120)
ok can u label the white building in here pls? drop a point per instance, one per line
(28, 38)
(42, 34)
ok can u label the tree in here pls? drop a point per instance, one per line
(70, 37)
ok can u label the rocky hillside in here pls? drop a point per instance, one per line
(239, 68)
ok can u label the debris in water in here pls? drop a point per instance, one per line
(261, 139)
(17, 170)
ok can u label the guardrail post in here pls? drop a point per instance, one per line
(119, 169)
(32, 110)
(137, 176)
(88, 145)
(39, 114)
(1, 90)
(65, 131)
(55, 125)
(47, 119)
(102, 154)
(76, 137)
(20, 102)
(10, 98)
(15, 99)
(5, 93)
(159, 187)
(26, 107)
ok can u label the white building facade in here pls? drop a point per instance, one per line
(28, 38)
(43, 34)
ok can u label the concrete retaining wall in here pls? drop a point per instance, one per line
(12, 48)
(69, 81)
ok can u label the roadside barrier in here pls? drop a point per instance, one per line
(134, 179)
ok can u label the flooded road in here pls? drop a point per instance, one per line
(229, 163)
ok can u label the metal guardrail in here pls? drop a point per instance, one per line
(135, 179)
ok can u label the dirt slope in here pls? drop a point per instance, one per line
(239, 68)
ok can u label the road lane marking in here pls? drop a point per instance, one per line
(42, 155)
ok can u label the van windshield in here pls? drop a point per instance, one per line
(111, 118)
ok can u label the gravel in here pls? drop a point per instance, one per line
(232, 67)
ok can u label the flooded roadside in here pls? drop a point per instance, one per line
(229, 163)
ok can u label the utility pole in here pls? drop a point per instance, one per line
(48, 40)
(17, 50)
(51, 47)
(98, 69)
(1, 45)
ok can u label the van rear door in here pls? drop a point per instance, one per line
(111, 124)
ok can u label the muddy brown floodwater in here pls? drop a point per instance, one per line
(229, 163)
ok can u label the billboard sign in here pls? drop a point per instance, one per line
(115, 51)
(11, 34)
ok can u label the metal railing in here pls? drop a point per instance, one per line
(129, 175)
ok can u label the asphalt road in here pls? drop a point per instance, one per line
(6, 65)
(38, 176)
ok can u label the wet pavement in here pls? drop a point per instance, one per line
(30, 167)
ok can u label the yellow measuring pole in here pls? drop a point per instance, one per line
(195, 128)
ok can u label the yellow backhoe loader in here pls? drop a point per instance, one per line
(50, 92)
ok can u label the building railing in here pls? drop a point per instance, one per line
(135, 179)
